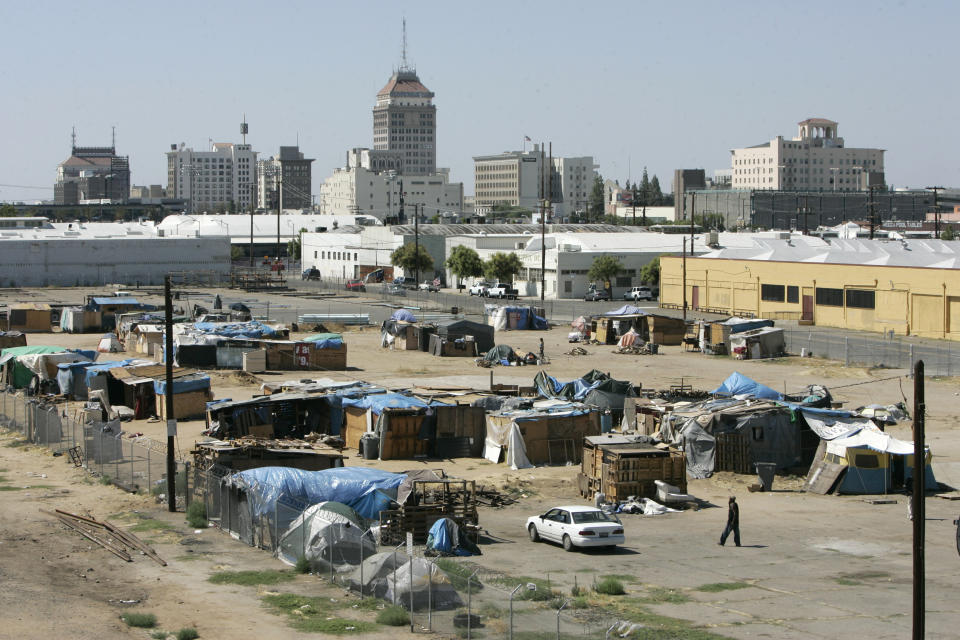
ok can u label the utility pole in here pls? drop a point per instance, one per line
(633, 201)
(685, 278)
(693, 209)
(873, 212)
(543, 254)
(279, 209)
(416, 240)
(936, 211)
(171, 421)
(919, 495)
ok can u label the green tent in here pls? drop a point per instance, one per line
(21, 375)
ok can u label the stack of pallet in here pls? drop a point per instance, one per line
(623, 469)
(430, 501)
(732, 453)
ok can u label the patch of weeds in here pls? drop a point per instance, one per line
(609, 586)
(393, 616)
(458, 575)
(312, 615)
(187, 557)
(656, 626)
(859, 577)
(490, 610)
(662, 595)
(287, 602)
(187, 633)
(332, 626)
(716, 587)
(622, 577)
(105, 479)
(542, 593)
(197, 515)
(7, 487)
(141, 620)
(847, 582)
(150, 524)
(251, 578)
(159, 635)
(17, 443)
(369, 604)
(302, 566)
(572, 603)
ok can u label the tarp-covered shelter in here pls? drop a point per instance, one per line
(325, 533)
(483, 334)
(765, 342)
(21, 365)
(515, 318)
(550, 433)
(387, 575)
(109, 344)
(402, 426)
(594, 388)
(738, 385)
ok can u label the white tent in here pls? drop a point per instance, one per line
(109, 343)
(325, 531)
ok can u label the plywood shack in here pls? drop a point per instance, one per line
(35, 318)
(665, 330)
(550, 437)
(12, 339)
(251, 453)
(620, 467)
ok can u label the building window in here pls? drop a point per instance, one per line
(860, 299)
(623, 281)
(829, 297)
(771, 292)
(568, 286)
(793, 294)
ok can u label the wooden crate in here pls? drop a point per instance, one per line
(400, 439)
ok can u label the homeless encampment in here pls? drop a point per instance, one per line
(327, 533)
(515, 317)
(552, 432)
(265, 501)
(594, 388)
(620, 466)
(387, 575)
(456, 329)
(765, 342)
(21, 367)
(30, 317)
(395, 425)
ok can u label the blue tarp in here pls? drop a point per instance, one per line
(378, 402)
(70, 378)
(750, 325)
(252, 329)
(738, 384)
(265, 486)
(93, 371)
(626, 310)
(439, 538)
(182, 385)
(403, 315)
(116, 300)
(540, 323)
(325, 340)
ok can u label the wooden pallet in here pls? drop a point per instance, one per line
(733, 453)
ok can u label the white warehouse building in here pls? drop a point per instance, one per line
(94, 254)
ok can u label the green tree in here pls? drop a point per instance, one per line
(948, 234)
(295, 245)
(502, 266)
(595, 205)
(650, 273)
(120, 214)
(232, 207)
(464, 262)
(656, 195)
(236, 252)
(8, 211)
(604, 268)
(645, 194)
(408, 259)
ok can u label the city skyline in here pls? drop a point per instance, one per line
(681, 89)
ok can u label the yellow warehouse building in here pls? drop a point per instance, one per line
(908, 287)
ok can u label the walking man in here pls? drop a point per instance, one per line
(733, 523)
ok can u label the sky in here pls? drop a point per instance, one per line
(662, 85)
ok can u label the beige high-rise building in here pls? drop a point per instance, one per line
(815, 160)
(220, 179)
(405, 121)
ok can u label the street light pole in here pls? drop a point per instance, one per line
(936, 211)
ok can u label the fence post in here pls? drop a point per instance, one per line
(149, 483)
(470, 605)
(558, 617)
(846, 350)
(512, 593)
(330, 552)
(410, 587)
(430, 596)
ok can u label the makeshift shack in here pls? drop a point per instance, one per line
(21, 367)
(552, 432)
(452, 330)
(30, 318)
(395, 425)
(765, 342)
(515, 317)
(145, 336)
(80, 320)
(621, 466)
(715, 336)
(12, 339)
(462, 346)
(191, 393)
(250, 453)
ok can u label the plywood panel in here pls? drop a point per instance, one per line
(927, 316)
(953, 313)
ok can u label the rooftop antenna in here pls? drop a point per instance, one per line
(403, 50)
(113, 138)
(73, 138)
(244, 128)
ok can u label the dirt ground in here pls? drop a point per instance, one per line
(800, 550)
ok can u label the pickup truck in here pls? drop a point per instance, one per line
(479, 288)
(502, 290)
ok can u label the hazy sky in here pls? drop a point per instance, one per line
(663, 85)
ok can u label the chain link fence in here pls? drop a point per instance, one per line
(134, 463)
(889, 352)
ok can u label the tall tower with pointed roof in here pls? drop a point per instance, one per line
(404, 119)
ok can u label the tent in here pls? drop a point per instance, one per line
(739, 385)
(390, 575)
(500, 354)
(626, 310)
(109, 343)
(324, 532)
(444, 539)
(483, 334)
(765, 342)
(874, 462)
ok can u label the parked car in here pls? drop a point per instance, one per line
(311, 274)
(576, 526)
(428, 285)
(638, 293)
(501, 290)
(596, 295)
(396, 290)
(479, 288)
(355, 285)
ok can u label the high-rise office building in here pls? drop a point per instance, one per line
(404, 120)
(295, 171)
(92, 173)
(222, 179)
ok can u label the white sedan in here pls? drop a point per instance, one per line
(576, 526)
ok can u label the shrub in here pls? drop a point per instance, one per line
(159, 635)
(302, 566)
(610, 586)
(251, 578)
(393, 616)
(187, 633)
(142, 620)
(197, 515)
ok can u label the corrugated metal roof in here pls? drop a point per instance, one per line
(929, 253)
(116, 300)
(509, 229)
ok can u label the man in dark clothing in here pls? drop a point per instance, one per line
(733, 523)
